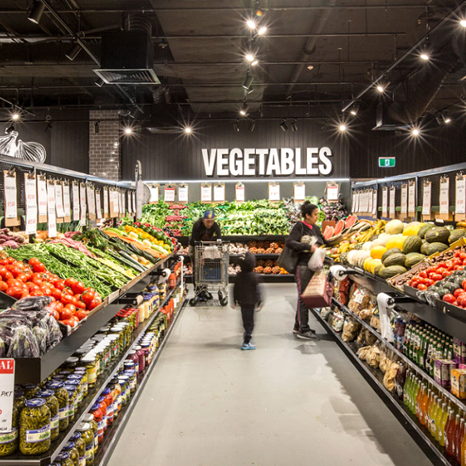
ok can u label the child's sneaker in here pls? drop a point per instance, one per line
(248, 346)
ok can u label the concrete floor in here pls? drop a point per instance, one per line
(288, 403)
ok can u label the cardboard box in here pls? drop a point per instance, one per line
(442, 371)
(458, 383)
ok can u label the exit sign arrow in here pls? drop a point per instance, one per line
(386, 162)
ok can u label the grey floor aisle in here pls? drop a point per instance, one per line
(288, 403)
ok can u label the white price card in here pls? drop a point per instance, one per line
(392, 200)
(42, 196)
(384, 202)
(128, 202)
(31, 204)
(66, 199)
(332, 192)
(98, 207)
(353, 202)
(76, 202)
(183, 193)
(356, 202)
(206, 193)
(374, 203)
(299, 192)
(170, 193)
(11, 206)
(427, 198)
(115, 200)
(83, 205)
(460, 196)
(7, 382)
(444, 196)
(219, 193)
(412, 199)
(106, 211)
(90, 200)
(52, 221)
(369, 201)
(134, 202)
(154, 194)
(404, 199)
(274, 192)
(59, 200)
(139, 198)
(123, 203)
(240, 194)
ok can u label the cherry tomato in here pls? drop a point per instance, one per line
(39, 267)
(458, 292)
(78, 287)
(59, 284)
(81, 314)
(56, 314)
(423, 274)
(449, 298)
(70, 322)
(66, 314)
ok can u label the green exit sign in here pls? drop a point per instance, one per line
(387, 161)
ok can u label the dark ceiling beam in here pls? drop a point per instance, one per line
(384, 6)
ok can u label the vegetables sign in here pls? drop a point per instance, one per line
(268, 162)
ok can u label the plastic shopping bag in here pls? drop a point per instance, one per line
(316, 262)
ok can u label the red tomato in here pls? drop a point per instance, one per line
(70, 323)
(23, 277)
(81, 314)
(436, 276)
(70, 282)
(458, 292)
(447, 273)
(71, 307)
(56, 314)
(462, 300)
(15, 292)
(59, 284)
(36, 293)
(464, 284)
(78, 287)
(449, 298)
(74, 318)
(13, 282)
(79, 304)
(3, 287)
(56, 294)
(32, 286)
(88, 296)
(93, 304)
(66, 314)
(46, 290)
(428, 281)
(423, 274)
(422, 287)
(10, 260)
(39, 267)
(66, 298)
(33, 260)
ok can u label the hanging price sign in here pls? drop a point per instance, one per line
(183, 191)
(31, 203)
(332, 192)
(392, 202)
(412, 199)
(66, 201)
(42, 198)
(76, 201)
(385, 202)
(299, 192)
(83, 205)
(274, 192)
(206, 193)
(460, 199)
(404, 200)
(59, 202)
(98, 207)
(239, 192)
(219, 193)
(154, 193)
(374, 203)
(11, 205)
(444, 198)
(170, 193)
(52, 220)
(7, 382)
(427, 199)
(90, 201)
(106, 204)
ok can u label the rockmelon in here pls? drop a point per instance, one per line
(378, 251)
(424, 229)
(436, 247)
(455, 235)
(389, 252)
(412, 228)
(394, 227)
(425, 247)
(413, 258)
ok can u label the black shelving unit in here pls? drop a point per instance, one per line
(34, 370)
(48, 457)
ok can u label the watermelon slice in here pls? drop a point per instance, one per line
(350, 221)
(339, 227)
(328, 233)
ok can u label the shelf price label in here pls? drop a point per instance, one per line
(219, 193)
(299, 192)
(412, 199)
(7, 382)
(154, 193)
(170, 193)
(59, 200)
(183, 193)
(274, 192)
(11, 206)
(206, 193)
(42, 196)
(66, 201)
(31, 203)
(374, 203)
(404, 199)
(239, 192)
(332, 192)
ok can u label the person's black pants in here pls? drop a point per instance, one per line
(247, 313)
(303, 276)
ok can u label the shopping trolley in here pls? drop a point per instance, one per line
(211, 260)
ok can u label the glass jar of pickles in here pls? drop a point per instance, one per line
(63, 459)
(79, 392)
(30, 390)
(63, 404)
(82, 378)
(52, 403)
(9, 440)
(71, 449)
(34, 427)
(132, 380)
(89, 419)
(73, 401)
(80, 446)
(91, 370)
(125, 389)
(71, 363)
(87, 435)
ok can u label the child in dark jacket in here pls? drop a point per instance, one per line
(246, 293)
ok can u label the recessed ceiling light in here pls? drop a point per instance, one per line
(250, 57)
(262, 30)
(188, 130)
(342, 128)
(447, 120)
(380, 88)
(128, 130)
(251, 24)
(415, 132)
(424, 56)
(255, 62)
(310, 67)
(15, 116)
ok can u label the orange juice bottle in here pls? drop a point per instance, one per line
(418, 401)
(424, 403)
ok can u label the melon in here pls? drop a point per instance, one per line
(455, 235)
(350, 221)
(412, 244)
(389, 252)
(339, 227)
(412, 228)
(436, 247)
(438, 235)
(394, 227)
(396, 241)
(328, 233)
(425, 247)
(424, 229)
(395, 259)
(377, 252)
(392, 271)
(413, 258)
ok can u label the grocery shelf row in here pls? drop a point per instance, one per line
(34, 370)
(435, 452)
(48, 457)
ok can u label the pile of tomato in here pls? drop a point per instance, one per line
(71, 299)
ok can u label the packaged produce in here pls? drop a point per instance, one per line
(34, 428)
(350, 329)
(87, 435)
(389, 380)
(458, 383)
(442, 369)
(52, 403)
(338, 321)
(373, 357)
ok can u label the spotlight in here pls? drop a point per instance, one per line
(236, 126)
(99, 82)
(49, 126)
(252, 126)
(255, 62)
(74, 52)
(424, 56)
(463, 23)
(354, 109)
(128, 131)
(443, 119)
(294, 126)
(15, 116)
(251, 24)
(415, 132)
(342, 128)
(250, 90)
(249, 57)
(310, 67)
(188, 129)
(262, 30)
(37, 11)
(97, 127)
(380, 88)
(283, 125)
(247, 81)
(447, 120)
(244, 109)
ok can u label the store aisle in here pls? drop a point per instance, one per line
(287, 403)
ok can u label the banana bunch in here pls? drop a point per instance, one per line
(343, 247)
(364, 237)
(379, 227)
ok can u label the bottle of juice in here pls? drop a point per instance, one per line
(418, 403)
(442, 424)
(430, 396)
(434, 409)
(406, 388)
(463, 450)
(416, 388)
(424, 406)
(438, 418)
(459, 434)
(447, 431)
(450, 433)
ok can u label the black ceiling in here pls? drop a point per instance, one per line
(199, 49)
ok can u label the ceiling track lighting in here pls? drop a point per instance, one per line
(250, 90)
(463, 23)
(342, 128)
(252, 126)
(236, 126)
(247, 81)
(424, 56)
(99, 82)
(443, 119)
(354, 109)
(294, 126)
(415, 132)
(244, 109)
(188, 129)
(128, 131)
(15, 115)
(283, 125)
(37, 11)
(74, 52)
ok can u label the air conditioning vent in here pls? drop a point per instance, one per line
(134, 77)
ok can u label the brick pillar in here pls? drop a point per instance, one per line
(104, 146)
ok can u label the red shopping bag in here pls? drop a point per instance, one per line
(318, 292)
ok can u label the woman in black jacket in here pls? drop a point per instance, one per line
(300, 240)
